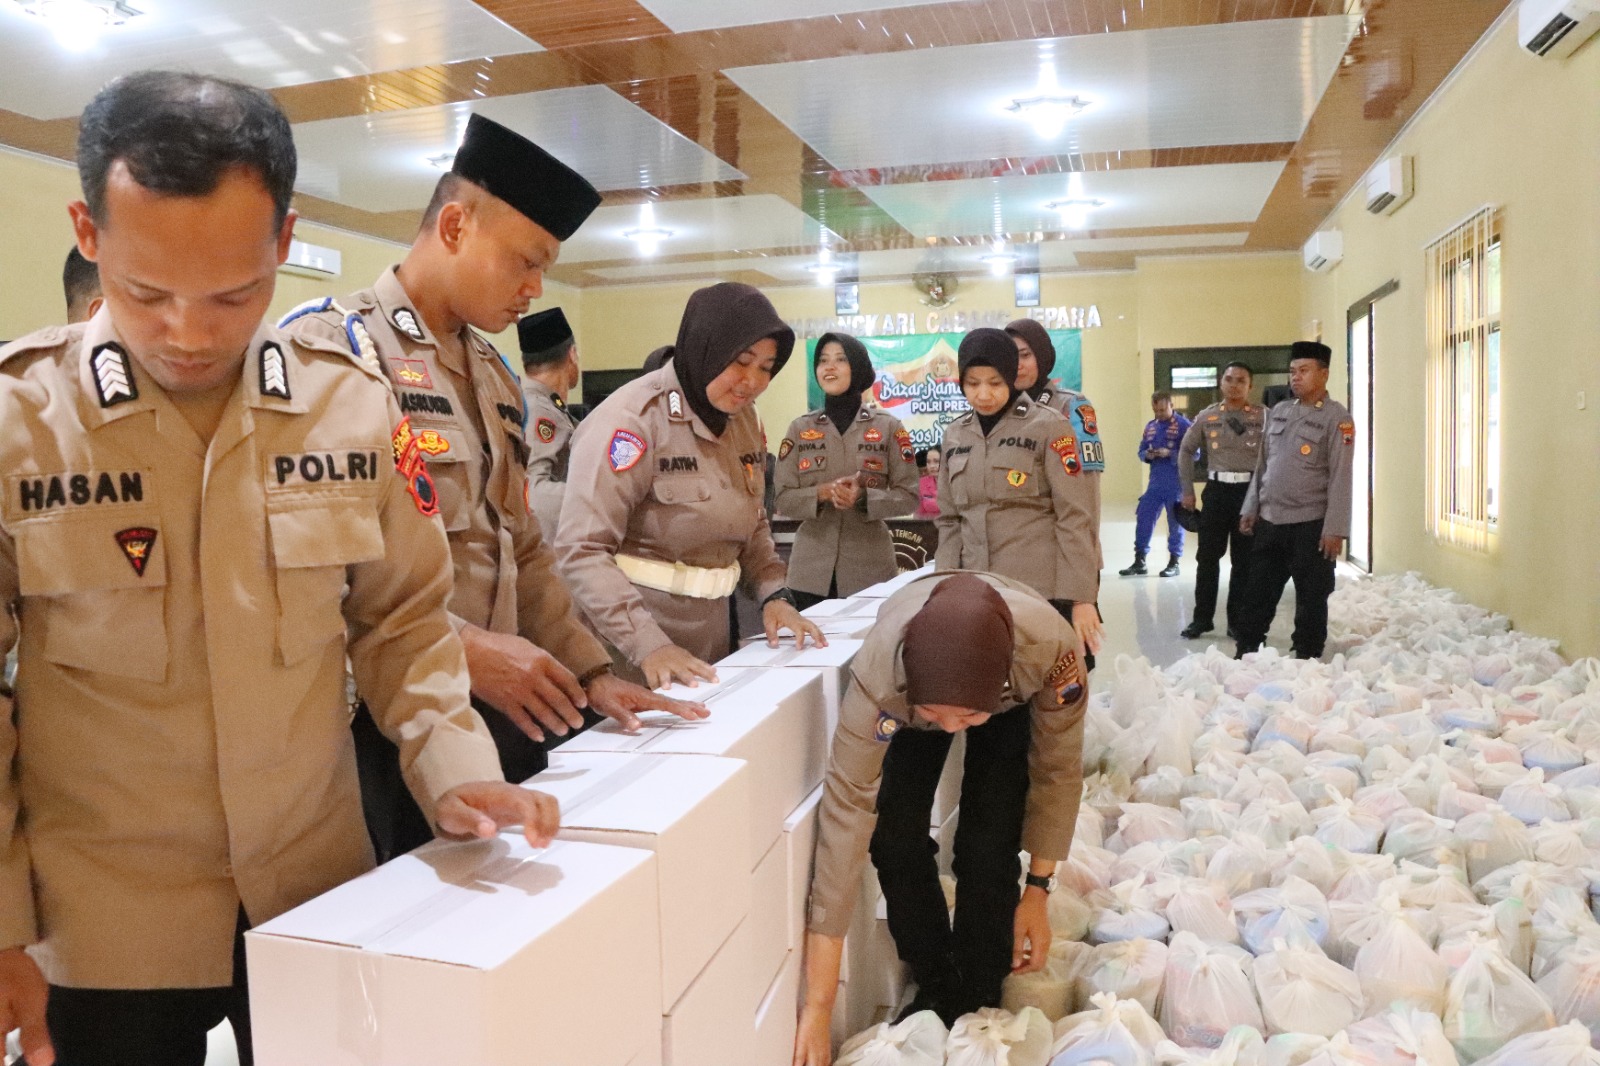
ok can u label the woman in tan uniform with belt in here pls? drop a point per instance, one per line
(664, 518)
(1013, 498)
(842, 470)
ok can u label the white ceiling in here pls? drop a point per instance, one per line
(726, 224)
(683, 16)
(1053, 255)
(269, 43)
(380, 162)
(1160, 196)
(1233, 83)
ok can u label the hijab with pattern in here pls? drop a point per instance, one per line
(842, 410)
(719, 322)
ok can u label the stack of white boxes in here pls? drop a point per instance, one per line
(664, 928)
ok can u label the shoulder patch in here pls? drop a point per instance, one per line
(410, 464)
(1086, 415)
(887, 726)
(625, 450)
(113, 375)
(274, 371)
(1067, 449)
(1065, 679)
(545, 430)
(785, 448)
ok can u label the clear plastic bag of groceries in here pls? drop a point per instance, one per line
(917, 1041)
(1572, 986)
(1049, 991)
(1489, 1002)
(1304, 991)
(1568, 1045)
(1208, 993)
(1403, 1037)
(1126, 911)
(1293, 911)
(1491, 840)
(1127, 969)
(1112, 1032)
(1198, 907)
(1397, 967)
(1242, 1046)
(992, 1037)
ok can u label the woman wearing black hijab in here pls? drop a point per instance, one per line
(842, 470)
(1012, 496)
(664, 515)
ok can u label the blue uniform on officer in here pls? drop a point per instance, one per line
(1159, 447)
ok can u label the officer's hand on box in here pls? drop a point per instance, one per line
(779, 614)
(621, 701)
(483, 808)
(671, 664)
(523, 682)
(23, 992)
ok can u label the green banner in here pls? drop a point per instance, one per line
(917, 378)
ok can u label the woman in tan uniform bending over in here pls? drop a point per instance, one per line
(664, 515)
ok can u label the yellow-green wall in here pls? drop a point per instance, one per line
(34, 193)
(1164, 302)
(1524, 134)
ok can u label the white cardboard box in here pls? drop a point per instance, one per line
(852, 627)
(713, 1023)
(772, 719)
(685, 808)
(800, 846)
(833, 661)
(778, 1014)
(884, 589)
(769, 913)
(451, 954)
(855, 606)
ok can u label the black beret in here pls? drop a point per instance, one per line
(527, 177)
(1311, 350)
(544, 334)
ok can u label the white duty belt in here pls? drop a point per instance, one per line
(681, 579)
(1231, 477)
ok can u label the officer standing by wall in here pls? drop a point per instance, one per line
(1158, 446)
(550, 372)
(534, 666)
(672, 519)
(1013, 498)
(960, 652)
(1229, 434)
(842, 470)
(1298, 506)
(202, 519)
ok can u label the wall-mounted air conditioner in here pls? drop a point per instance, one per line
(1555, 29)
(1389, 185)
(312, 261)
(1324, 250)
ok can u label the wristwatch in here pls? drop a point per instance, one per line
(1038, 881)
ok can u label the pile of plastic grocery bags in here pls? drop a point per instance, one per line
(1388, 859)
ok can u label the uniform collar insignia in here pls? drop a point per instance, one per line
(865, 415)
(274, 371)
(1044, 397)
(555, 398)
(822, 417)
(113, 375)
(675, 404)
(1020, 409)
(405, 320)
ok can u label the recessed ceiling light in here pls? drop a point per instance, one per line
(77, 22)
(999, 259)
(1075, 213)
(1047, 112)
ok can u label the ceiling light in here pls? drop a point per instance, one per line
(1048, 113)
(1075, 213)
(999, 260)
(77, 22)
(648, 236)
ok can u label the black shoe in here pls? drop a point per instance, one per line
(1136, 570)
(1195, 630)
(1171, 569)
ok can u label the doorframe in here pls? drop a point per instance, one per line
(1363, 308)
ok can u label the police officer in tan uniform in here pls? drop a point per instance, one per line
(202, 518)
(671, 520)
(953, 652)
(534, 666)
(1012, 495)
(843, 469)
(1298, 506)
(549, 372)
(1229, 435)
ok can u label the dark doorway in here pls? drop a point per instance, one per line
(1192, 375)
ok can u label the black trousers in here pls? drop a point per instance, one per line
(149, 1027)
(987, 868)
(1219, 536)
(394, 821)
(1280, 553)
(803, 599)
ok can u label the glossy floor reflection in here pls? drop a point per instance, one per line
(1144, 615)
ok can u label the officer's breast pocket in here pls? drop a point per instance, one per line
(98, 586)
(1014, 477)
(676, 491)
(313, 543)
(452, 468)
(958, 479)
